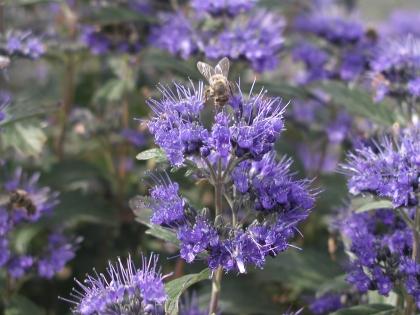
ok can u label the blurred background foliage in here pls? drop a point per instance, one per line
(75, 116)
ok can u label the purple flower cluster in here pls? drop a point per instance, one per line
(103, 40)
(220, 7)
(125, 289)
(59, 251)
(133, 136)
(381, 244)
(389, 170)
(175, 34)
(326, 304)
(256, 39)
(168, 206)
(396, 68)
(249, 131)
(240, 144)
(401, 23)
(22, 44)
(29, 203)
(271, 187)
(345, 54)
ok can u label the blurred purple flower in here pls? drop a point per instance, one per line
(19, 265)
(396, 64)
(326, 304)
(401, 23)
(175, 34)
(220, 7)
(59, 251)
(135, 137)
(257, 40)
(24, 44)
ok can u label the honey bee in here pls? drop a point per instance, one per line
(19, 199)
(219, 89)
(4, 62)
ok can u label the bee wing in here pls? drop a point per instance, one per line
(205, 69)
(223, 67)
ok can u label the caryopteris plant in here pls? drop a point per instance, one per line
(258, 203)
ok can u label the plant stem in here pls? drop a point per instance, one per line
(67, 104)
(215, 291)
(217, 276)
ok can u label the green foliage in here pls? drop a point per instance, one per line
(176, 287)
(143, 214)
(286, 91)
(370, 309)
(360, 103)
(304, 270)
(19, 111)
(27, 139)
(20, 305)
(115, 15)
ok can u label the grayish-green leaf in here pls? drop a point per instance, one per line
(139, 205)
(373, 205)
(336, 284)
(286, 91)
(24, 236)
(360, 103)
(18, 111)
(111, 91)
(154, 153)
(27, 139)
(176, 287)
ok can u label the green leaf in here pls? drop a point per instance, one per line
(139, 205)
(20, 305)
(111, 91)
(27, 139)
(20, 110)
(77, 207)
(284, 90)
(154, 153)
(369, 309)
(176, 287)
(164, 62)
(24, 236)
(360, 103)
(336, 284)
(373, 205)
(300, 270)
